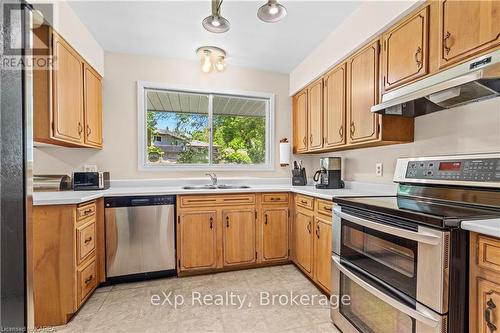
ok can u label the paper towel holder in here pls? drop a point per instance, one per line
(284, 152)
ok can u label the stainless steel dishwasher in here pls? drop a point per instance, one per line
(140, 237)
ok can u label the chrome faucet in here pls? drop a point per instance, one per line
(213, 178)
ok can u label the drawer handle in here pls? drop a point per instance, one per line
(303, 201)
(87, 211)
(490, 306)
(274, 199)
(88, 240)
(265, 218)
(90, 278)
(327, 208)
(317, 231)
(309, 227)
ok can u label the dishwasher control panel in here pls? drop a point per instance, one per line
(146, 200)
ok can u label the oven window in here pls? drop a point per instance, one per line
(390, 258)
(370, 314)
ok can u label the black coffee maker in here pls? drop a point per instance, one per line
(329, 174)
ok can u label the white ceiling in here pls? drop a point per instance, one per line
(173, 29)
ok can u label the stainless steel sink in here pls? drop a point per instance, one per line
(215, 187)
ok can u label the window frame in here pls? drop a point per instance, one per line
(143, 86)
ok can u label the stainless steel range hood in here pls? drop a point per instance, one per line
(473, 81)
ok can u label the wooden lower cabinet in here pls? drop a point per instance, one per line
(197, 240)
(323, 252)
(312, 234)
(303, 226)
(68, 259)
(275, 233)
(484, 284)
(231, 231)
(239, 236)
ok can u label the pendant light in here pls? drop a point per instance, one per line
(215, 22)
(271, 12)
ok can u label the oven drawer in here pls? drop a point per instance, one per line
(372, 310)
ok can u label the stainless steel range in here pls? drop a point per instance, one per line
(404, 259)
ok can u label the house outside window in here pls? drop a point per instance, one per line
(183, 128)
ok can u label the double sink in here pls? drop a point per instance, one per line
(215, 187)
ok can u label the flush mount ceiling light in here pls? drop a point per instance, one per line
(215, 22)
(271, 12)
(211, 57)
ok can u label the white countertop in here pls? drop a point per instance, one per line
(145, 188)
(489, 227)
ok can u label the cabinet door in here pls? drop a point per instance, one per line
(275, 234)
(467, 28)
(323, 253)
(300, 122)
(197, 240)
(303, 239)
(93, 107)
(405, 51)
(488, 306)
(315, 112)
(239, 236)
(67, 106)
(334, 107)
(362, 94)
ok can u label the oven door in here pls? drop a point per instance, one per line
(408, 257)
(375, 309)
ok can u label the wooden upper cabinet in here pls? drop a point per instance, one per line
(300, 120)
(275, 234)
(197, 240)
(239, 236)
(93, 107)
(334, 107)
(405, 51)
(67, 93)
(467, 28)
(362, 94)
(315, 112)
(303, 239)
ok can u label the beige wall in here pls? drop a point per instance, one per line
(119, 155)
(368, 20)
(473, 128)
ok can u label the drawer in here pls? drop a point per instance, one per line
(211, 200)
(87, 280)
(324, 207)
(85, 210)
(303, 201)
(275, 197)
(489, 253)
(85, 240)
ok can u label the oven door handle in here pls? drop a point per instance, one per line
(419, 236)
(421, 315)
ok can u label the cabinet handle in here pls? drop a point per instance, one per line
(353, 128)
(303, 201)
(305, 141)
(89, 130)
(227, 221)
(90, 278)
(445, 42)
(265, 218)
(211, 222)
(80, 129)
(341, 132)
(88, 240)
(311, 139)
(490, 305)
(309, 227)
(317, 231)
(419, 58)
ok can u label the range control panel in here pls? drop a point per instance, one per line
(477, 170)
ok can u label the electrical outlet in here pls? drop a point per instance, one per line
(379, 169)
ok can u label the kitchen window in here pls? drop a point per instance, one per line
(189, 128)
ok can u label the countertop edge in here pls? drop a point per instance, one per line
(490, 227)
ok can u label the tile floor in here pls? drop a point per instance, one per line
(129, 307)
